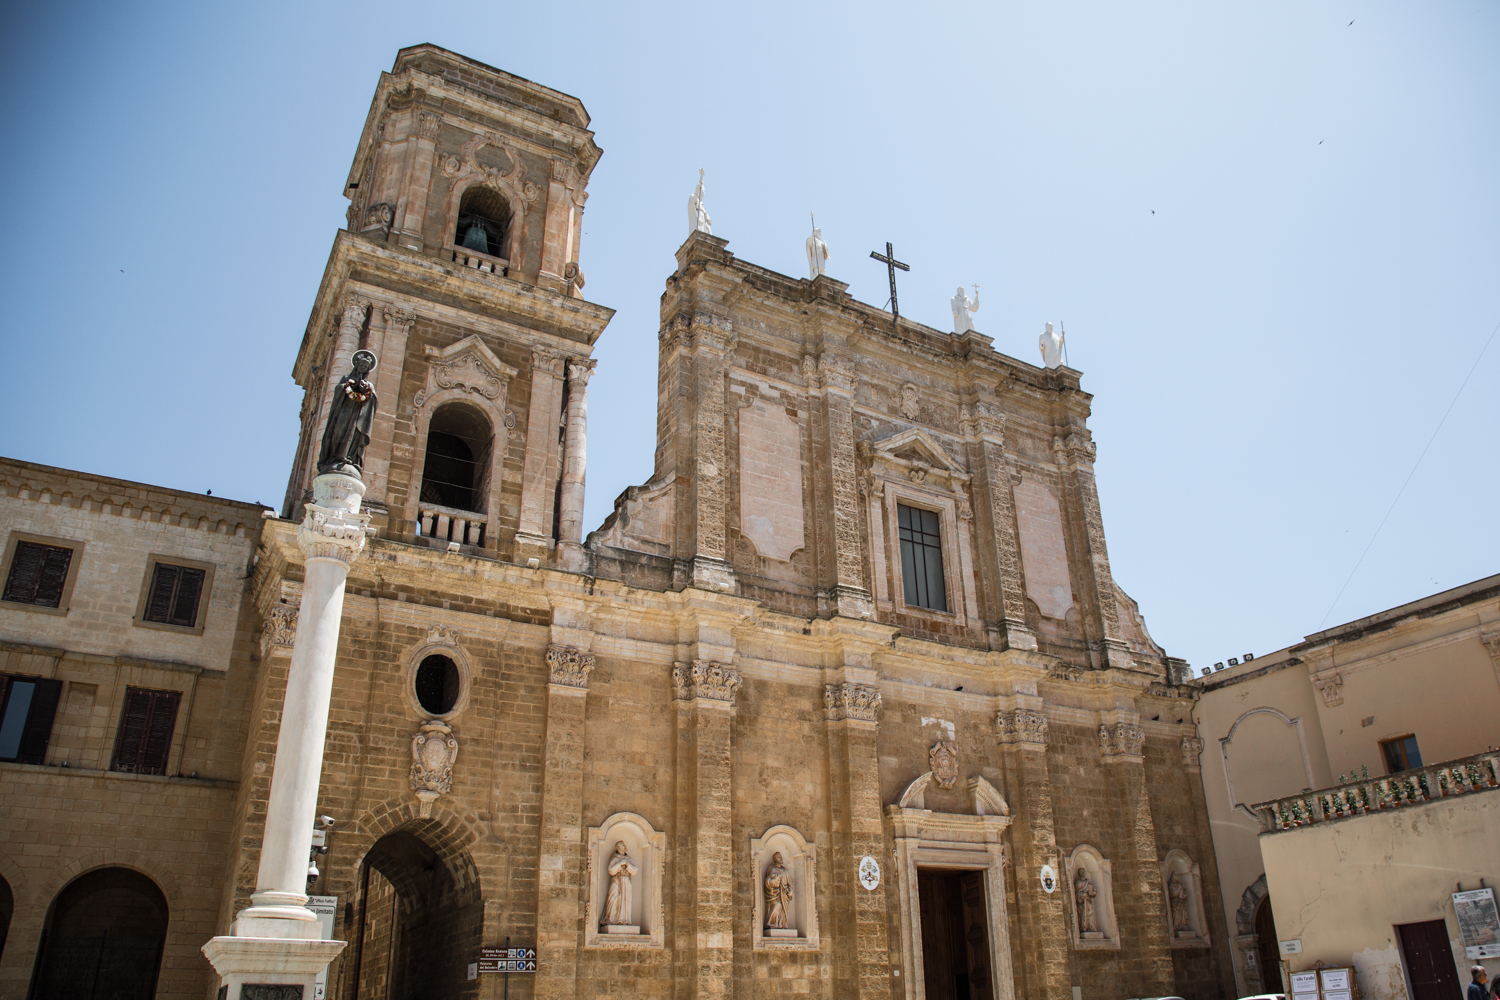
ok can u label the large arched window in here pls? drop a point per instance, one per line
(457, 470)
(103, 937)
(483, 221)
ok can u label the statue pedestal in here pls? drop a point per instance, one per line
(1092, 935)
(622, 928)
(782, 932)
(277, 940)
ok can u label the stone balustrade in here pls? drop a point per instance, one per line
(449, 524)
(1465, 776)
(465, 257)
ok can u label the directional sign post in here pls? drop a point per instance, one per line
(507, 960)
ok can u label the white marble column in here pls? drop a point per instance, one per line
(570, 514)
(277, 939)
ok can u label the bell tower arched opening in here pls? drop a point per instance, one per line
(456, 472)
(103, 937)
(484, 221)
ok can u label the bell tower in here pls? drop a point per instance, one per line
(458, 269)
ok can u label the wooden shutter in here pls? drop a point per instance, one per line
(145, 737)
(39, 720)
(38, 574)
(174, 595)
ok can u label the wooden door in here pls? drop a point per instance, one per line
(1429, 961)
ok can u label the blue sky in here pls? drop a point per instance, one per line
(1271, 233)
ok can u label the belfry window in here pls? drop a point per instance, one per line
(921, 558)
(483, 222)
(458, 458)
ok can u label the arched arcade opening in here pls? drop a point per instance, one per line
(102, 939)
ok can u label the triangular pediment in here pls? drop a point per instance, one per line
(916, 445)
(472, 344)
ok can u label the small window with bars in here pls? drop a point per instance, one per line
(145, 737)
(27, 707)
(174, 595)
(38, 574)
(921, 558)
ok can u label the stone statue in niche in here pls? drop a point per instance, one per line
(817, 252)
(1084, 894)
(1177, 899)
(943, 759)
(349, 420)
(778, 887)
(621, 870)
(698, 220)
(964, 309)
(1051, 345)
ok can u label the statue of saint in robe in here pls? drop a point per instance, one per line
(778, 894)
(1051, 345)
(817, 253)
(698, 220)
(1177, 898)
(964, 309)
(1084, 893)
(617, 904)
(349, 418)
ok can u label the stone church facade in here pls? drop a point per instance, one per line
(856, 637)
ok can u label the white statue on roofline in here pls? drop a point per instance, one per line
(964, 309)
(698, 220)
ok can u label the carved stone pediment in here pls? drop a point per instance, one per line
(471, 368)
(915, 455)
(984, 798)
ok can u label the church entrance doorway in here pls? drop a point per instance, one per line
(102, 939)
(417, 928)
(955, 942)
(1267, 948)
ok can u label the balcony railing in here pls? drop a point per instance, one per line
(1370, 795)
(448, 524)
(465, 257)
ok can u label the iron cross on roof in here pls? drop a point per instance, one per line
(891, 263)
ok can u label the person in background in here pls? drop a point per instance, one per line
(1476, 988)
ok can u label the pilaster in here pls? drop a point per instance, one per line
(575, 461)
(1075, 458)
(562, 867)
(421, 156)
(835, 378)
(387, 341)
(1023, 734)
(534, 532)
(1122, 747)
(705, 694)
(712, 342)
(984, 425)
(861, 937)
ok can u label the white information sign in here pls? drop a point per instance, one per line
(1478, 922)
(1049, 879)
(1338, 995)
(1294, 947)
(869, 872)
(1304, 983)
(324, 907)
(1335, 979)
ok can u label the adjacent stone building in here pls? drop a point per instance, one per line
(842, 701)
(1354, 786)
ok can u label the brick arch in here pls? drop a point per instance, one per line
(15, 877)
(48, 888)
(1244, 917)
(450, 834)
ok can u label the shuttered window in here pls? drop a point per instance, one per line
(27, 707)
(145, 731)
(38, 574)
(921, 558)
(174, 595)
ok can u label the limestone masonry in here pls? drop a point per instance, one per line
(846, 682)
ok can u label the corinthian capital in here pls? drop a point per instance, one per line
(280, 630)
(579, 371)
(706, 681)
(333, 527)
(569, 667)
(859, 702)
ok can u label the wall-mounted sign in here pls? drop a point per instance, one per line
(1292, 947)
(1049, 879)
(1478, 922)
(507, 959)
(1336, 979)
(325, 907)
(869, 872)
(1304, 984)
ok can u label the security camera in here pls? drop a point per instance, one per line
(312, 873)
(326, 821)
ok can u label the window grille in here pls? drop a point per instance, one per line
(145, 736)
(38, 574)
(175, 591)
(921, 558)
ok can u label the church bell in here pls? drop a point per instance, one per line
(475, 238)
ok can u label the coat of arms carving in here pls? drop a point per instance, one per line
(943, 758)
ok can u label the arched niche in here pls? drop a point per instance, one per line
(485, 221)
(645, 848)
(104, 936)
(1099, 872)
(799, 859)
(1182, 893)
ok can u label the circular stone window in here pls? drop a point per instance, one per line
(438, 684)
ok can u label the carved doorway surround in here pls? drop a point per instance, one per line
(952, 842)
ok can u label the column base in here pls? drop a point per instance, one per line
(713, 574)
(572, 557)
(535, 547)
(1017, 635)
(269, 961)
(853, 602)
(1115, 653)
